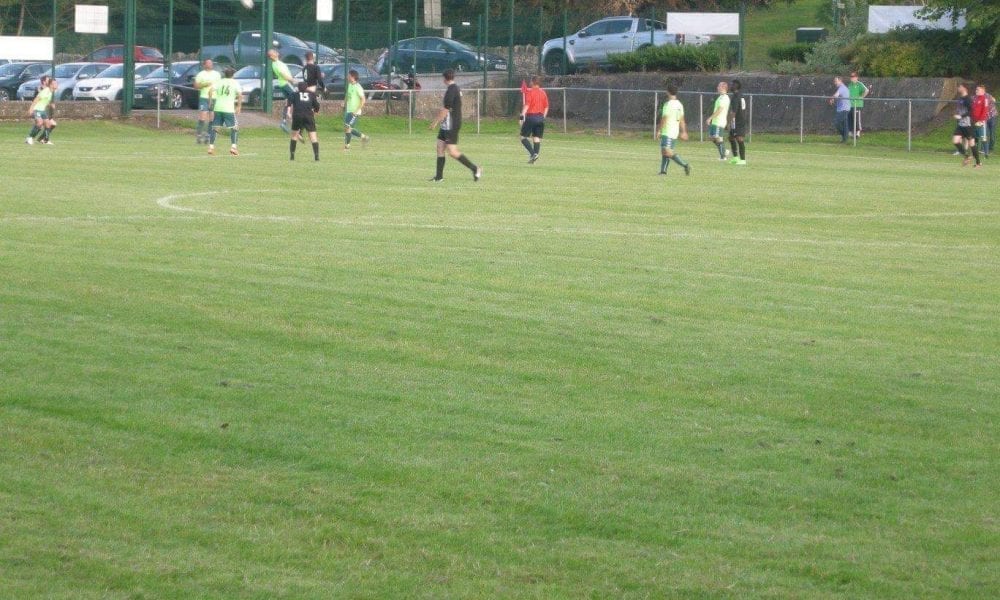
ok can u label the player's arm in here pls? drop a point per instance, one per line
(361, 107)
(239, 102)
(31, 109)
(659, 128)
(864, 94)
(441, 116)
(315, 104)
(715, 114)
(684, 128)
(545, 110)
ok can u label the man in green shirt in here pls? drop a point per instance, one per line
(354, 102)
(672, 128)
(283, 79)
(227, 95)
(719, 118)
(858, 92)
(203, 82)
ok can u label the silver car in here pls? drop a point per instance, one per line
(67, 74)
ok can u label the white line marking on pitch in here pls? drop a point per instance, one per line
(167, 203)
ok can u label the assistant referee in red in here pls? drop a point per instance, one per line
(533, 113)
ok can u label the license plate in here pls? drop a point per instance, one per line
(138, 96)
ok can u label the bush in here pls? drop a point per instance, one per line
(715, 56)
(911, 52)
(789, 52)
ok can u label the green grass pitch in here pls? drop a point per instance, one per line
(243, 377)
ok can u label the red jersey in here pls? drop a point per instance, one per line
(980, 108)
(536, 100)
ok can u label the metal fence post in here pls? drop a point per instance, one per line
(802, 119)
(909, 125)
(479, 110)
(609, 113)
(409, 118)
(701, 117)
(564, 109)
(750, 122)
(656, 110)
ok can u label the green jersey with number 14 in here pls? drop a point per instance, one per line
(226, 91)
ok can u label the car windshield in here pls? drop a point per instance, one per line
(248, 72)
(152, 52)
(67, 70)
(113, 71)
(11, 69)
(462, 46)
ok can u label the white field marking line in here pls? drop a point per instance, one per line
(167, 203)
(94, 218)
(931, 215)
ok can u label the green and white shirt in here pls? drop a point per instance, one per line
(673, 113)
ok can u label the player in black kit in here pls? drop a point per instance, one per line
(312, 74)
(304, 107)
(450, 119)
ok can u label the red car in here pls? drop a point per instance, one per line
(115, 54)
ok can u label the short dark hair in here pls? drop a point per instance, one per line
(672, 89)
(736, 85)
(229, 72)
(353, 73)
(449, 74)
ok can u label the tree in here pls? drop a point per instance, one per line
(982, 21)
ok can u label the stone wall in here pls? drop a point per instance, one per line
(18, 110)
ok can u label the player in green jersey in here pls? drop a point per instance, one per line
(283, 80)
(719, 118)
(203, 82)
(227, 95)
(38, 111)
(672, 128)
(354, 102)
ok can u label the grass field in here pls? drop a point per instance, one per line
(243, 377)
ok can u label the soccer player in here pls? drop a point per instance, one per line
(203, 82)
(841, 103)
(533, 114)
(980, 114)
(227, 95)
(965, 133)
(672, 128)
(718, 119)
(283, 79)
(38, 111)
(738, 124)
(450, 120)
(858, 92)
(354, 103)
(312, 75)
(305, 105)
(50, 113)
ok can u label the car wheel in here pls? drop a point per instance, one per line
(461, 66)
(120, 95)
(254, 98)
(66, 95)
(553, 63)
(176, 99)
(4, 95)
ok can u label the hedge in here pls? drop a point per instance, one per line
(714, 56)
(789, 52)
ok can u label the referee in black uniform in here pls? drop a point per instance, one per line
(450, 120)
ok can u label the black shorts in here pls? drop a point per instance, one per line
(737, 130)
(533, 126)
(968, 133)
(307, 123)
(448, 136)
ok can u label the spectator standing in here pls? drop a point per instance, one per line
(841, 102)
(980, 113)
(858, 92)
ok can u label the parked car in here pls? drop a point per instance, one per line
(592, 44)
(335, 74)
(436, 54)
(12, 75)
(115, 54)
(245, 50)
(178, 92)
(249, 78)
(67, 74)
(327, 53)
(108, 84)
